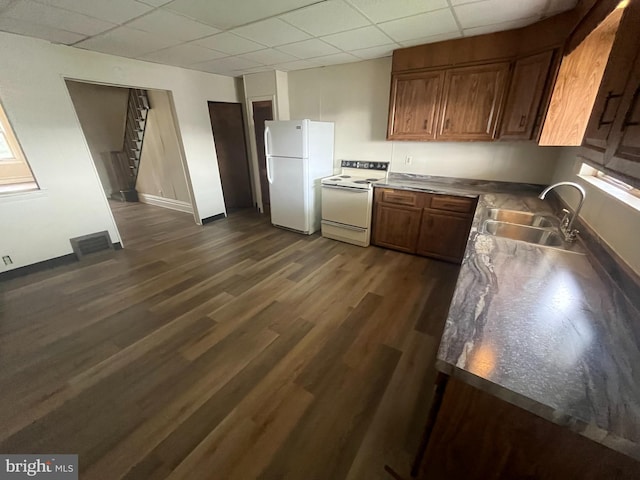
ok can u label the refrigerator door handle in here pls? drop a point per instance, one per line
(267, 155)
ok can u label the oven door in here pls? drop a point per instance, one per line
(348, 206)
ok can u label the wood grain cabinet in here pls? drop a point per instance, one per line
(426, 224)
(525, 96)
(415, 104)
(472, 100)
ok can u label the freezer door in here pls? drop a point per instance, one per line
(286, 138)
(289, 192)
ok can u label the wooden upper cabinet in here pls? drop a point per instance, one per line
(414, 105)
(612, 88)
(472, 101)
(525, 94)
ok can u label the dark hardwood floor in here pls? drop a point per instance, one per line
(230, 351)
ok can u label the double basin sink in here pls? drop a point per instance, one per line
(535, 228)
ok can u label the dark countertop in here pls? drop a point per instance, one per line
(544, 329)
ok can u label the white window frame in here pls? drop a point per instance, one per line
(612, 186)
(15, 173)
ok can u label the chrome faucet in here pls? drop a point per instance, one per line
(567, 221)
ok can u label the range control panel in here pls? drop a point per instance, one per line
(382, 166)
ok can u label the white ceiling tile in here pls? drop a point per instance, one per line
(423, 25)
(462, 2)
(325, 18)
(226, 14)
(39, 31)
(32, 12)
(431, 39)
(162, 22)
(296, 65)
(268, 57)
(385, 10)
(309, 49)
(490, 12)
(375, 52)
(248, 71)
(227, 64)
(271, 32)
(229, 43)
(114, 11)
(335, 59)
(126, 42)
(186, 54)
(155, 3)
(359, 38)
(499, 27)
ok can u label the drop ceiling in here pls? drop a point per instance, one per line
(235, 37)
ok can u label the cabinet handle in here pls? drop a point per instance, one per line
(446, 124)
(523, 120)
(610, 96)
(425, 124)
(627, 118)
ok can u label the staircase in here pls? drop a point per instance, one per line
(126, 162)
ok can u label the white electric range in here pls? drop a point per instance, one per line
(347, 201)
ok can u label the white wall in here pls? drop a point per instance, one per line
(37, 226)
(614, 221)
(102, 111)
(356, 97)
(161, 172)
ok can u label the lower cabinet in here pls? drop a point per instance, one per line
(426, 224)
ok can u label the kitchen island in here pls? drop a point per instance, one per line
(538, 359)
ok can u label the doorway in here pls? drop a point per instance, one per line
(262, 111)
(227, 124)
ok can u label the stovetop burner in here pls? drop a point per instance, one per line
(362, 181)
(372, 179)
(345, 176)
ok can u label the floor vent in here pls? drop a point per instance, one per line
(92, 243)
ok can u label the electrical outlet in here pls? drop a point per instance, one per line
(408, 159)
(7, 260)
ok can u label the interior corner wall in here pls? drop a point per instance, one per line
(161, 172)
(615, 222)
(37, 226)
(356, 97)
(102, 111)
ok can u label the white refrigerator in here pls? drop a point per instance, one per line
(298, 153)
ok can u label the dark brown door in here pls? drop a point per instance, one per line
(228, 131)
(262, 111)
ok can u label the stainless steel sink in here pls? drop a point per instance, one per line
(524, 233)
(521, 218)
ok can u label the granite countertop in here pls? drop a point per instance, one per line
(545, 329)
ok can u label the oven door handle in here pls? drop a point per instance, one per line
(342, 225)
(348, 189)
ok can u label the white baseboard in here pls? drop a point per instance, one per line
(169, 203)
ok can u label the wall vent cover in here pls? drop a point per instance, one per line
(92, 243)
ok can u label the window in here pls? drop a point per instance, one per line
(614, 187)
(15, 174)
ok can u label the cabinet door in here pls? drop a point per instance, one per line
(443, 235)
(414, 105)
(472, 102)
(525, 93)
(396, 227)
(623, 155)
(614, 80)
